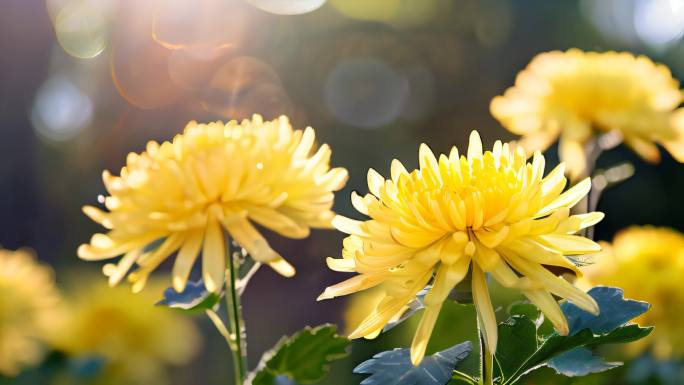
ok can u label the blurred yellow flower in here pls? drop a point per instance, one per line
(648, 263)
(134, 338)
(28, 308)
(182, 193)
(491, 208)
(577, 94)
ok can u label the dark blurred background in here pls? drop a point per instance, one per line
(84, 82)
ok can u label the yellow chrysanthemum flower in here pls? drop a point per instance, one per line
(135, 339)
(658, 254)
(212, 176)
(576, 94)
(488, 212)
(28, 308)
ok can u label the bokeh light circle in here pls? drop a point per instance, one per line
(139, 71)
(243, 86)
(612, 19)
(60, 110)
(207, 23)
(192, 68)
(365, 92)
(287, 7)
(399, 13)
(659, 23)
(81, 29)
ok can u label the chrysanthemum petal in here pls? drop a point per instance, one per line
(352, 285)
(492, 239)
(397, 169)
(545, 302)
(117, 272)
(570, 244)
(554, 182)
(358, 203)
(248, 237)
(187, 255)
(578, 222)
(98, 216)
(90, 252)
(485, 257)
(375, 182)
(645, 149)
(334, 179)
(485, 310)
(426, 158)
(280, 223)
(156, 256)
(305, 144)
(282, 267)
(448, 276)
(574, 157)
(453, 249)
(213, 257)
(413, 239)
(542, 254)
(422, 336)
(558, 285)
(388, 308)
(568, 198)
(342, 265)
(348, 225)
(503, 274)
(474, 146)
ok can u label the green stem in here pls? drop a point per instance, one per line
(487, 366)
(236, 323)
(464, 377)
(486, 357)
(220, 326)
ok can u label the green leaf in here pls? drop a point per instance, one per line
(304, 357)
(615, 311)
(586, 331)
(557, 344)
(394, 367)
(524, 308)
(580, 362)
(517, 342)
(194, 298)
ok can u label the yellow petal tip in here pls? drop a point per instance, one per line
(417, 358)
(282, 267)
(84, 252)
(323, 296)
(178, 285)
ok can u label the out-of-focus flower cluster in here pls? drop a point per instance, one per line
(648, 264)
(133, 339)
(29, 306)
(577, 95)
